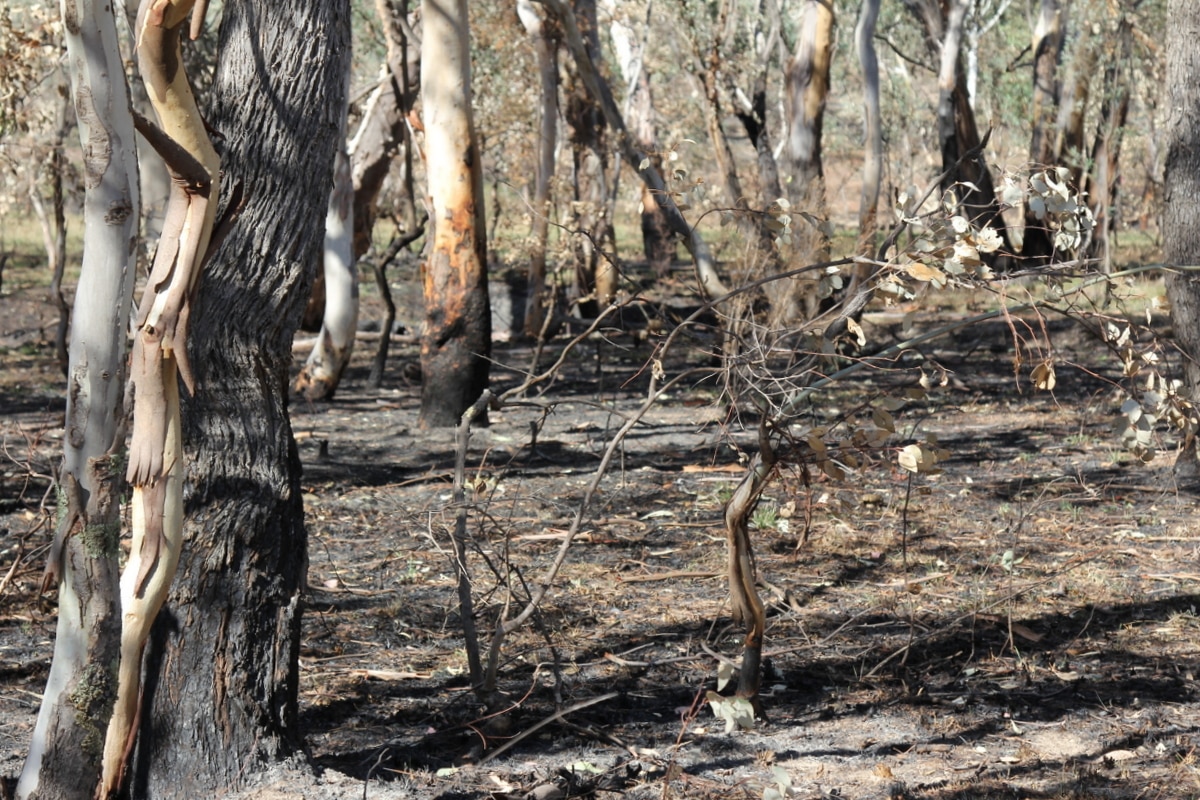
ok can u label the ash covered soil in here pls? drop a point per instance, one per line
(1023, 625)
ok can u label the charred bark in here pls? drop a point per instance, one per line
(222, 664)
(456, 341)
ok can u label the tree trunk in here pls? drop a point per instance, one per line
(220, 692)
(595, 279)
(384, 128)
(1181, 206)
(382, 134)
(658, 243)
(456, 342)
(806, 86)
(1047, 53)
(706, 271)
(868, 206)
(752, 111)
(1106, 152)
(546, 43)
(66, 751)
(958, 131)
(322, 372)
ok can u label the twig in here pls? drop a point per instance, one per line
(557, 715)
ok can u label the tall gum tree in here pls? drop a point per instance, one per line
(806, 88)
(588, 134)
(456, 340)
(221, 667)
(957, 127)
(629, 40)
(1181, 203)
(64, 759)
(1047, 51)
(545, 40)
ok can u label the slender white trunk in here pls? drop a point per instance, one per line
(328, 359)
(864, 37)
(532, 17)
(64, 755)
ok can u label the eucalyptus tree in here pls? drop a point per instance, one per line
(456, 339)
(630, 37)
(1181, 208)
(221, 668)
(593, 172)
(964, 166)
(546, 42)
(65, 753)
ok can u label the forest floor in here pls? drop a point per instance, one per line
(1023, 625)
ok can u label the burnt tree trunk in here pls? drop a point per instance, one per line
(222, 665)
(456, 343)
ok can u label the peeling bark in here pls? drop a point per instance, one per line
(456, 340)
(65, 753)
(221, 667)
(159, 360)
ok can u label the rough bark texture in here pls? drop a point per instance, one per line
(1181, 206)
(65, 754)
(221, 667)
(456, 341)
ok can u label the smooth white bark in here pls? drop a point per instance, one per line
(95, 397)
(335, 343)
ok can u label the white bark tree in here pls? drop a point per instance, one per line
(456, 342)
(864, 41)
(64, 759)
(545, 42)
(322, 372)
